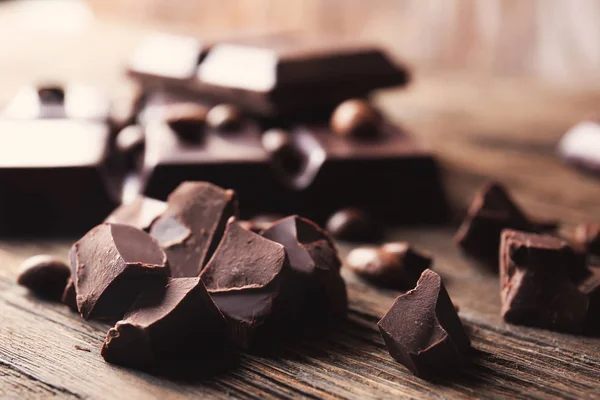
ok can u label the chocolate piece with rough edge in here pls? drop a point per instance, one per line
(45, 276)
(590, 286)
(394, 265)
(535, 287)
(187, 120)
(140, 213)
(422, 330)
(353, 224)
(114, 264)
(314, 286)
(164, 323)
(491, 211)
(191, 227)
(243, 278)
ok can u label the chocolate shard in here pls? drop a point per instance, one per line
(191, 227)
(44, 275)
(243, 278)
(139, 213)
(535, 288)
(590, 286)
(491, 211)
(166, 323)
(314, 286)
(114, 264)
(393, 265)
(422, 330)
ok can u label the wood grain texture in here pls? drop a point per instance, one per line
(478, 128)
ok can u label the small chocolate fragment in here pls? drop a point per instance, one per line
(535, 287)
(168, 322)
(191, 227)
(587, 238)
(393, 265)
(261, 222)
(491, 211)
(187, 120)
(114, 264)
(46, 276)
(314, 286)
(224, 118)
(355, 118)
(243, 278)
(591, 287)
(140, 213)
(422, 330)
(353, 224)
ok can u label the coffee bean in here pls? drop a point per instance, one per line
(355, 118)
(44, 275)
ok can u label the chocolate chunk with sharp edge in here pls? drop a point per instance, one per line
(353, 224)
(191, 227)
(69, 296)
(114, 264)
(140, 213)
(422, 330)
(393, 265)
(535, 288)
(44, 275)
(491, 211)
(243, 278)
(591, 287)
(166, 323)
(587, 238)
(314, 285)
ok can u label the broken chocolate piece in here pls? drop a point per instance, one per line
(114, 264)
(140, 213)
(587, 238)
(393, 265)
(353, 224)
(191, 227)
(314, 285)
(69, 296)
(225, 118)
(355, 118)
(591, 287)
(45, 276)
(422, 330)
(243, 278)
(167, 322)
(491, 211)
(187, 120)
(535, 288)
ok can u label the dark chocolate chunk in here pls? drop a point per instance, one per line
(314, 286)
(140, 213)
(353, 224)
(535, 288)
(225, 118)
(187, 120)
(422, 330)
(165, 323)
(393, 265)
(46, 276)
(491, 211)
(591, 287)
(114, 264)
(587, 238)
(243, 278)
(191, 227)
(355, 118)
(580, 147)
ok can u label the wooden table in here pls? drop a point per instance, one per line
(479, 128)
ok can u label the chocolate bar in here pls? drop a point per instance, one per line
(273, 76)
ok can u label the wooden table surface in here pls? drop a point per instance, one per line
(478, 128)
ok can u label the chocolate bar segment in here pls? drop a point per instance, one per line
(191, 226)
(114, 264)
(535, 287)
(244, 278)
(166, 323)
(423, 332)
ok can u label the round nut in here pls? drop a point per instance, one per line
(186, 120)
(355, 118)
(225, 118)
(284, 155)
(353, 224)
(44, 275)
